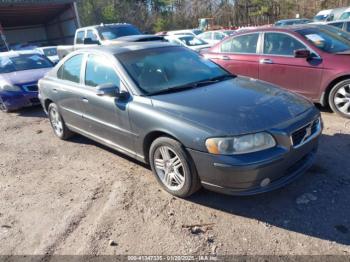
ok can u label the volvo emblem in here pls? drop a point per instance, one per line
(308, 133)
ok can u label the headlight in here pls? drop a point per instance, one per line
(240, 144)
(10, 88)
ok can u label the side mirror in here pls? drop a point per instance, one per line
(302, 53)
(89, 41)
(109, 89)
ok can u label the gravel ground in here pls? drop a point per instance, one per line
(76, 197)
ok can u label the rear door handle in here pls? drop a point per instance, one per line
(85, 100)
(266, 61)
(55, 90)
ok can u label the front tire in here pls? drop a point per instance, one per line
(59, 127)
(339, 98)
(3, 107)
(173, 168)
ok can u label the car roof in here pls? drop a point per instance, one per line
(295, 19)
(103, 25)
(289, 28)
(178, 36)
(126, 47)
(19, 52)
(140, 38)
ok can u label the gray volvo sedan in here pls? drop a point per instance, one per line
(192, 121)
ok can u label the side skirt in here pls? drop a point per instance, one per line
(107, 143)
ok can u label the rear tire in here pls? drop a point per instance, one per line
(339, 98)
(58, 125)
(173, 168)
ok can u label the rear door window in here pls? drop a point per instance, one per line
(80, 37)
(244, 44)
(281, 44)
(98, 72)
(71, 69)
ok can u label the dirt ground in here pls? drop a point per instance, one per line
(75, 197)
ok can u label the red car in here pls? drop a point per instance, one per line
(312, 60)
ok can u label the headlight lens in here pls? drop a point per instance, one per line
(12, 88)
(240, 144)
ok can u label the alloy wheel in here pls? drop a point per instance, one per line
(3, 107)
(56, 122)
(342, 99)
(169, 168)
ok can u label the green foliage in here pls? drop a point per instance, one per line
(160, 24)
(161, 15)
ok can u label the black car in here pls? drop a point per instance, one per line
(192, 121)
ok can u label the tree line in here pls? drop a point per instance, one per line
(161, 15)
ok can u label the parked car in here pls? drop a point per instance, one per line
(191, 120)
(311, 60)
(188, 41)
(288, 22)
(341, 24)
(345, 15)
(214, 37)
(193, 32)
(330, 15)
(104, 34)
(19, 74)
(50, 52)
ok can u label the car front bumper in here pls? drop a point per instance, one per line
(257, 172)
(17, 100)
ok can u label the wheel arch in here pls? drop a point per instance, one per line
(325, 96)
(47, 102)
(151, 137)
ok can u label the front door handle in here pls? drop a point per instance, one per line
(85, 100)
(225, 57)
(266, 61)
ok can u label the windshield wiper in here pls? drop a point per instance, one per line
(193, 85)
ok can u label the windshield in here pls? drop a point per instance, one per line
(114, 32)
(197, 31)
(50, 51)
(9, 64)
(328, 39)
(191, 41)
(168, 68)
(345, 16)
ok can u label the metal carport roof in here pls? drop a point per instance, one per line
(30, 12)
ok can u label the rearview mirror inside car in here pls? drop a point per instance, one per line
(109, 89)
(302, 53)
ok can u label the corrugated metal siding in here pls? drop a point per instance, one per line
(13, 2)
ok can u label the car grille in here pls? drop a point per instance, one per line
(30, 88)
(303, 135)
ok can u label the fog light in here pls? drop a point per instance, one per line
(265, 182)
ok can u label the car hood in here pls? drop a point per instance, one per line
(23, 77)
(232, 107)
